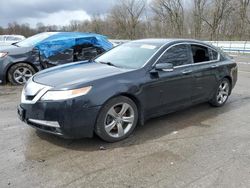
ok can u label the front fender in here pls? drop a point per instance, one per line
(103, 92)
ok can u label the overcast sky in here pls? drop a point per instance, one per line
(51, 12)
(54, 12)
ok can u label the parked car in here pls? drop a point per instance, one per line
(6, 40)
(21, 60)
(126, 86)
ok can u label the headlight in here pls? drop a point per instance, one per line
(3, 54)
(67, 94)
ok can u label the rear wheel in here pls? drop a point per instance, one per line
(19, 74)
(222, 94)
(117, 119)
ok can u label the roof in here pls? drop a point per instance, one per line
(156, 41)
(165, 41)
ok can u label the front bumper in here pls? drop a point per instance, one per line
(2, 71)
(69, 119)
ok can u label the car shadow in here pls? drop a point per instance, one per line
(153, 129)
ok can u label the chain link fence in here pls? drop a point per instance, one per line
(240, 47)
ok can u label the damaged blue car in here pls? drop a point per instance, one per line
(21, 60)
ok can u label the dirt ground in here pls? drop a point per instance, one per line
(198, 147)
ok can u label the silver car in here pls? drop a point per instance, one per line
(6, 40)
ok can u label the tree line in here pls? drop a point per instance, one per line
(133, 19)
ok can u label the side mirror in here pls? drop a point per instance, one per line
(167, 67)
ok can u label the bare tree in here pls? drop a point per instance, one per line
(1, 30)
(198, 12)
(127, 16)
(130, 19)
(74, 25)
(216, 13)
(170, 11)
(22, 29)
(40, 27)
(243, 11)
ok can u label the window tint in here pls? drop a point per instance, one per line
(200, 53)
(177, 55)
(213, 55)
(11, 38)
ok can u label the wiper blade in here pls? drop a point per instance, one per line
(15, 44)
(107, 63)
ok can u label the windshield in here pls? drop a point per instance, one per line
(130, 55)
(34, 40)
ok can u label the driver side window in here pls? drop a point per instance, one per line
(176, 55)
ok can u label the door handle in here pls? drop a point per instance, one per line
(187, 71)
(214, 66)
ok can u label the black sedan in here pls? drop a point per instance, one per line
(126, 86)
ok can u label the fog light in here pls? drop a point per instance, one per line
(45, 123)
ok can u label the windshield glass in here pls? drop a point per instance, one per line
(32, 41)
(130, 55)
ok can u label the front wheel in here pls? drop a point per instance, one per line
(19, 74)
(222, 94)
(117, 119)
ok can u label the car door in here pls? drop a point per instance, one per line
(67, 56)
(205, 70)
(172, 88)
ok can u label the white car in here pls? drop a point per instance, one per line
(6, 40)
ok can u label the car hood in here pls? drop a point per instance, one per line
(73, 74)
(13, 50)
(4, 47)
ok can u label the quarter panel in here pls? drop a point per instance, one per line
(205, 81)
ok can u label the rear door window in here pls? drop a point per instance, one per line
(177, 55)
(203, 54)
(200, 53)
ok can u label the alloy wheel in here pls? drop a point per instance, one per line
(223, 92)
(22, 74)
(119, 120)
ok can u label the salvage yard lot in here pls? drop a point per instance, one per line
(198, 147)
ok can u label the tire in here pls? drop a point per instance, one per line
(222, 93)
(117, 119)
(19, 74)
